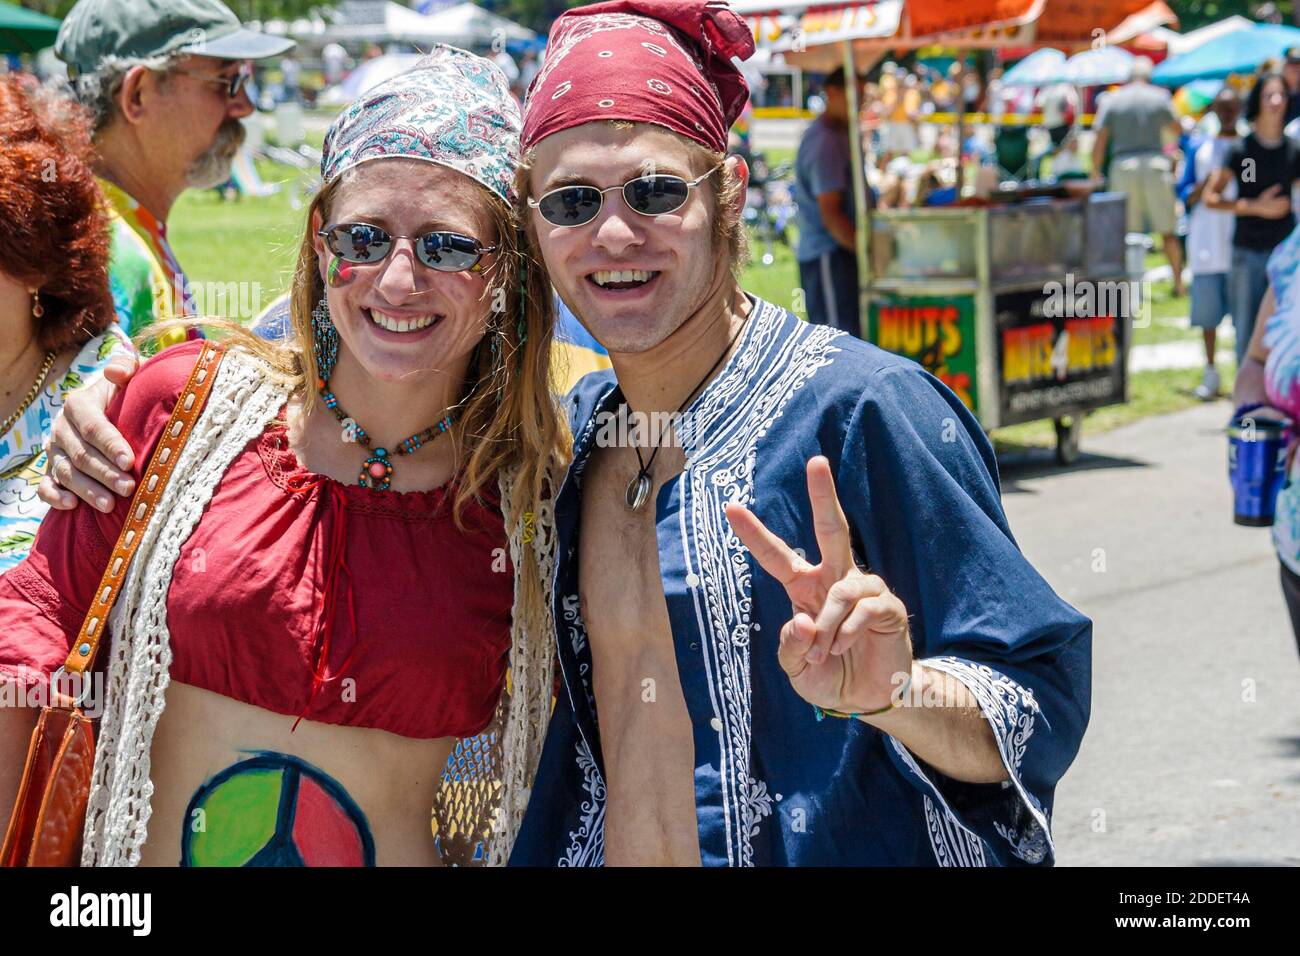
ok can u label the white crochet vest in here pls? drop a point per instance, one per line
(243, 401)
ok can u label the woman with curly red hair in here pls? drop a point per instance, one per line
(56, 312)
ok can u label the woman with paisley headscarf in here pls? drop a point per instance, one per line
(352, 547)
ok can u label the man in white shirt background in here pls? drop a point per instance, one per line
(1209, 238)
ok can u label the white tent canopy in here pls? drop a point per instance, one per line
(469, 20)
(465, 24)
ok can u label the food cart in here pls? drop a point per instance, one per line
(1022, 308)
(1021, 303)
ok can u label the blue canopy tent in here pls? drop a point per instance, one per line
(1241, 51)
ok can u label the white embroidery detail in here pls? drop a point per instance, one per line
(952, 843)
(1010, 710)
(659, 86)
(572, 611)
(588, 841)
(719, 433)
(562, 89)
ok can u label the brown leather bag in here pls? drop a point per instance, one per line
(49, 815)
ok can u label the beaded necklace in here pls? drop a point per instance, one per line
(377, 470)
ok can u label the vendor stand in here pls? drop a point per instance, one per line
(1022, 308)
(1019, 303)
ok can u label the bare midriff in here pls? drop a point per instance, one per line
(218, 765)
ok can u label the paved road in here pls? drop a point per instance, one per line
(1192, 756)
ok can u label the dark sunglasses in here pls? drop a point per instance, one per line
(654, 195)
(234, 85)
(444, 251)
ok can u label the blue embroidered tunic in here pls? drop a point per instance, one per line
(917, 480)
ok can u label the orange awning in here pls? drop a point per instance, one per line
(930, 17)
(1077, 23)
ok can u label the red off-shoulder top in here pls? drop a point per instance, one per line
(295, 593)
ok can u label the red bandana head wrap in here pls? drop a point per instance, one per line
(666, 62)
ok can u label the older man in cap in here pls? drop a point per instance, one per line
(164, 83)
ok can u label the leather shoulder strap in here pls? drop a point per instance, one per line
(192, 399)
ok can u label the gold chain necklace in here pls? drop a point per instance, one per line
(31, 394)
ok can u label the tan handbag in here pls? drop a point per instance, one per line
(49, 815)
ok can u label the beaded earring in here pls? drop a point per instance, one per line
(325, 340)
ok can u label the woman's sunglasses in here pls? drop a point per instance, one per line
(653, 195)
(444, 251)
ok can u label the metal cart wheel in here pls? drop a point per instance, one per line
(1068, 431)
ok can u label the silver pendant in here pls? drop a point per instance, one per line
(638, 490)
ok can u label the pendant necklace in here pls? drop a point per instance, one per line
(377, 470)
(638, 489)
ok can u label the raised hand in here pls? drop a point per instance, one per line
(847, 641)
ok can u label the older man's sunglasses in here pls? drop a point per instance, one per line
(361, 242)
(234, 84)
(652, 195)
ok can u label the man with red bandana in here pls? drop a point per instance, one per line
(794, 627)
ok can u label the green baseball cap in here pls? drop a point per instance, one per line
(95, 29)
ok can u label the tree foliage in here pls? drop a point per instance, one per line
(1198, 13)
(537, 15)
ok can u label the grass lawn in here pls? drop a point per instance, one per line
(255, 241)
(251, 240)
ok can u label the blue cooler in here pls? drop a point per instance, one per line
(1256, 465)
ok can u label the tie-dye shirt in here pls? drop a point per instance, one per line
(146, 279)
(22, 459)
(1282, 384)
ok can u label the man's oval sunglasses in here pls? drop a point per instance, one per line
(653, 195)
(444, 251)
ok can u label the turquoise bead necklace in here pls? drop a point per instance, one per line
(377, 470)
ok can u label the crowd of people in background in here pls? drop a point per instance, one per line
(1216, 188)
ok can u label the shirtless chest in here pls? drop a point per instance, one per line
(645, 728)
(234, 787)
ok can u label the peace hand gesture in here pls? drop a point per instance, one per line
(848, 637)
